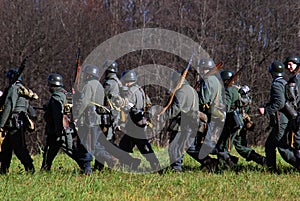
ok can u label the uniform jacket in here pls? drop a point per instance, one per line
(137, 97)
(232, 98)
(296, 79)
(210, 91)
(185, 101)
(112, 85)
(14, 103)
(92, 92)
(277, 99)
(55, 111)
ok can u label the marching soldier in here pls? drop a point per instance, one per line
(56, 132)
(210, 102)
(183, 113)
(292, 63)
(88, 121)
(278, 118)
(135, 104)
(112, 86)
(14, 120)
(237, 121)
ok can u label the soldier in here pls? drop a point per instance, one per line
(278, 119)
(56, 131)
(210, 100)
(112, 86)
(292, 63)
(88, 121)
(14, 120)
(237, 121)
(183, 113)
(135, 104)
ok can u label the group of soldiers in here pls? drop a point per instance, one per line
(83, 123)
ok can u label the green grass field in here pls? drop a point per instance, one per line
(64, 182)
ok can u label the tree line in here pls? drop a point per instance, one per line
(250, 33)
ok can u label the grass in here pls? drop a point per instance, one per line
(64, 182)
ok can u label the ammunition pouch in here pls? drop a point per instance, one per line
(138, 117)
(233, 120)
(14, 122)
(289, 111)
(107, 118)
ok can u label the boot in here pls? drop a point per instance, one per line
(98, 166)
(227, 159)
(30, 169)
(211, 164)
(257, 158)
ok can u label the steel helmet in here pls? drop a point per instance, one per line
(12, 73)
(226, 74)
(55, 79)
(277, 68)
(111, 66)
(294, 59)
(207, 63)
(129, 76)
(91, 70)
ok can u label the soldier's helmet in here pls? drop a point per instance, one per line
(12, 73)
(110, 66)
(206, 64)
(176, 75)
(294, 59)
(91, 70)
(276, 68)
(226, 75)
(129, 76)
(55, 79)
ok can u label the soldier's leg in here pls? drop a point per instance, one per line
(240, 144)
(21, 151)
(145, 148)
(287, 153)
(175, 153)
(296, 130)
(5, 154)
(273, 141)
(53, 144)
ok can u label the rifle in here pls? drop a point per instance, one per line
(179, 84)
(235, 76)
(14, 79)
(77, 73)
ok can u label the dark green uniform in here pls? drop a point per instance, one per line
(13, 119)
(237, 137)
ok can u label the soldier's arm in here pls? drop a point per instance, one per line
(175, 108)
(9, 105)
(277, 99)
(57, 115)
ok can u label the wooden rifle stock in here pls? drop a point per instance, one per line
(77, 74)
(179, 84)
(235, 76)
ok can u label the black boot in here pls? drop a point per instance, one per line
(224, 156)
(257, 158)
(30, 169)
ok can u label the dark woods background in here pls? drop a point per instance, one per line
(249, 32)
